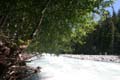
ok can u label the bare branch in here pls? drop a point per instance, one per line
(40, 22)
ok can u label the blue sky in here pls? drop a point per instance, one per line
(116, 6)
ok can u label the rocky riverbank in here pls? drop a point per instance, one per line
(103, 58)
(13, 61)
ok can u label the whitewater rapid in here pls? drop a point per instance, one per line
(63, 68)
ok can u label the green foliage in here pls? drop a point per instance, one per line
(100, 40)
(63, 20)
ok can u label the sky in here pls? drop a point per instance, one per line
(116, 6)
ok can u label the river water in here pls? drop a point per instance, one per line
(63, 68)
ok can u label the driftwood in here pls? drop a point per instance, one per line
(12, 65)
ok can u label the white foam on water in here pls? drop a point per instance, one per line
(62, 68)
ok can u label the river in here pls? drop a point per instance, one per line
(64, 68)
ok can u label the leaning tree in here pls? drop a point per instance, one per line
(45, 25)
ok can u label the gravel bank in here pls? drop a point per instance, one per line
(104, 58)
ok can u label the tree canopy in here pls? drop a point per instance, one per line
(105, 39)
(50, 24)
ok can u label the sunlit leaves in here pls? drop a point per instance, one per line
(62, 19)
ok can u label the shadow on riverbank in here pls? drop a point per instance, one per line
(34, 77)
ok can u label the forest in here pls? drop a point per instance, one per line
(56, 26)
(105, 38)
